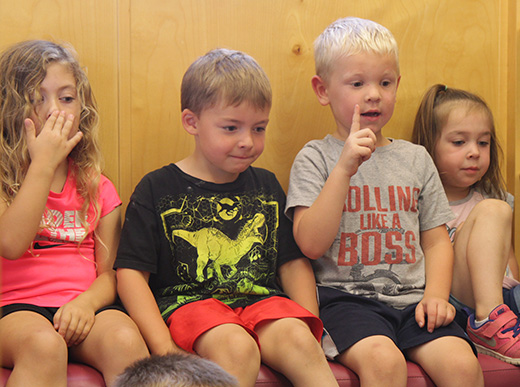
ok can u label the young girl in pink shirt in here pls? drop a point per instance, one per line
(457, 129)
(59, 225)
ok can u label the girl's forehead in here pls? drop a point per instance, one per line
(468, 111)
(58, 73)
(456, 111)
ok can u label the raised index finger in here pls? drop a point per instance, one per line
(356, 117)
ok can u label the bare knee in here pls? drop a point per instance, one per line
(294, 335)
(242, 346)
(377, 362)
(125, 340)
(234, 349)
(230, 343)
(462, 369)
(387, 360)
(45, 345)
(493, 209)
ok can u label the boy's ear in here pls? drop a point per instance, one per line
(320, 89)
(189, 121)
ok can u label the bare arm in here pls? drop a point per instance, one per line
(75, 319)
(19, 222)
(434, 309)
(313, 232)
(297, 279)
(141, 305)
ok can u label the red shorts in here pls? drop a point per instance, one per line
(190, 321)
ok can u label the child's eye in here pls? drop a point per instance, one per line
(386, 83)
(458, 143)
(230, 128)
(483, 143)
(259, 129)
(68, 99)
(357, 84)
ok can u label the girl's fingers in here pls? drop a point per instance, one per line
(52, 120)
(30, 129)
(59, 121)
(66, 125)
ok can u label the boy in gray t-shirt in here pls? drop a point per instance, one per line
(371, 212)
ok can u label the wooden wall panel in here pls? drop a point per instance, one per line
(450, 42)
(136, 52)
(91, 27)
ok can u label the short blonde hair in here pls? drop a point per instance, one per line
(227, 76)
(350, 36)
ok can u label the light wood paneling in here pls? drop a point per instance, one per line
(91, 27)
(136, 52)
(457, 43)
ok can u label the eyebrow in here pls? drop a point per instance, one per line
(63, 88)
(235, 121)
(465, 132)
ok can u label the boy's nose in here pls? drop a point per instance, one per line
(373, 93)
(246, 141)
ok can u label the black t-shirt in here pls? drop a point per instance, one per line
(200, 240)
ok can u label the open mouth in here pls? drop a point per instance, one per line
(371, 114)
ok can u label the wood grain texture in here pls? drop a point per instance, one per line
(92, 29)
(136, 52)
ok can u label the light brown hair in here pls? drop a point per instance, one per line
(227, 76)
(434, 109)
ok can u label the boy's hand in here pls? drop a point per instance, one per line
(435, 312)
(52, 145)
(73, 321)
(358, 147)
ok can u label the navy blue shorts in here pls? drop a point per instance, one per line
(47, 312)
(348, 318)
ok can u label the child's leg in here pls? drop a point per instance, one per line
(449, 361)
(482, 248)
(289, 347)
(113, 343)
(234, 349)
(31, 345)
(377, 361)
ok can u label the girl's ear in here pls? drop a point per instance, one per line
(189, 121)
(320, 89)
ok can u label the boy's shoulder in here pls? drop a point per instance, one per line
(172, 174)
(165, 169)
(261, 172)
(404, 149)
(329, 146)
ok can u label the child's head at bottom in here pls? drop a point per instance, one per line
(457, 128)
(225, 100)
(180, 370)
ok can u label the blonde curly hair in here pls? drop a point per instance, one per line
(23, 67)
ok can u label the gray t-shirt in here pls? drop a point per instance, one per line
(394, 196)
